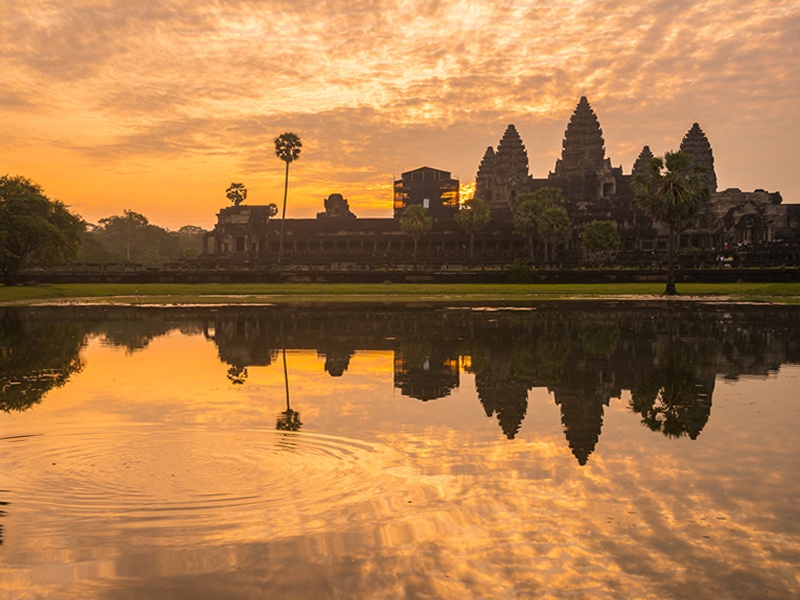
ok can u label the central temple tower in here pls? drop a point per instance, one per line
(584, 149)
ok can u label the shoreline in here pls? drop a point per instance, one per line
(211, 295)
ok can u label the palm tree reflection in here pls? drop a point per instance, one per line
(675, 396)
(288, 420)
(237, 374)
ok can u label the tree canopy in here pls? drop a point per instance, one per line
(34, 228)
(554, 227)
(415, 222)
(600, 240)
(473, 218)
(236, 193)
(527, 215)
(130, 237)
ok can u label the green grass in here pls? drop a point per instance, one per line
(211, 293)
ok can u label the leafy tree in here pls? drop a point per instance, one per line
(672, 190)
(528, 208)
(554, 227)
(600, 239)
(126, 232)
(236, 193)
(473, 218)
(33, 227)
(287, 148)
(415, 222)
(525, 215)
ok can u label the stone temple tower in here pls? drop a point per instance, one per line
(584, 148)
(695, 143)
(484, 180)
(645, 156)
(510, 169)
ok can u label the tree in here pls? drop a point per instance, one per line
(128, 234)
(554, 227)
(600, 239)
(473, 218)
(671, 190)
(287, 148)
(415, 222)
(525, 215)
(33, 227)
(236, 193)
(528, 208)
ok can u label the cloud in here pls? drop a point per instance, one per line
(374, 87)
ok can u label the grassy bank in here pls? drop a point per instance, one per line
(309, 292)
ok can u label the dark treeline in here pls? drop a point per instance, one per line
(667, 357)
(131, 238)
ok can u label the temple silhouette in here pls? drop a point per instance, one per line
(592, 188)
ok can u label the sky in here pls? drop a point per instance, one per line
(157, 106)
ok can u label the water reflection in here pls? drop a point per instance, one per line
(667, 357)
(37, 355)
(440, 453)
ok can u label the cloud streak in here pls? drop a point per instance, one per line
(374, 87)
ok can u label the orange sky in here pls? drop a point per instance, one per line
(158, 105)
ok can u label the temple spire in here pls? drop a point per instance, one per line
(584, 148)
(645, 156)
(696, 144)
(484, 179)
(510, 169)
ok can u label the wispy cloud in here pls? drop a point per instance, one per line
(374, 87)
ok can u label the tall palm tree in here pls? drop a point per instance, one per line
(287, 148)
(672, 190)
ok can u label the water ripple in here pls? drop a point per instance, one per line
(193, 477)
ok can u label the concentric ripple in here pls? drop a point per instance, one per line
(194, 478)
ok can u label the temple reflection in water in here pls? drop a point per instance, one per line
(666, 357)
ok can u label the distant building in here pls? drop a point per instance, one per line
(433, 189)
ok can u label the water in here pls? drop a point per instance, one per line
(580, 450)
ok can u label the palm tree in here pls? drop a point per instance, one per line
(287, 148)
(473, 218)
(415, 222)
(236, 193)
(671, 190)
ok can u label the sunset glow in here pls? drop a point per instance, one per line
(158, 106)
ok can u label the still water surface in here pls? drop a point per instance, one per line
(562, 450)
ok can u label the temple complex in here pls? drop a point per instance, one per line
(592, 188)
